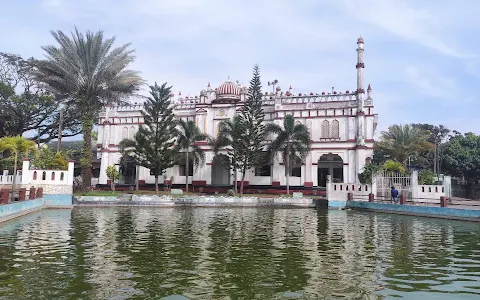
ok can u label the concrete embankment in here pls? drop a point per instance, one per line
(21, 208)
(196, 201)
(452, 213)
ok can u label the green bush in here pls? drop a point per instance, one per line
(49, 159)
(426, 177)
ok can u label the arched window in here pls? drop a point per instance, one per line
(335, 129)
(131, 133)
(35, 175)
(44, 175)
(325, 133)
(62, 176)
(53, 175)
(124, 133)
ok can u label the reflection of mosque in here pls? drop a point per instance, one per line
(342, 126)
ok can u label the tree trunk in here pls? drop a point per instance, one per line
(112, 185)
(137, 176)
(287, 165)
(187, 172)
(14, 177)
(235, 188)
(86, 161)
(243, 179)
(156, 185)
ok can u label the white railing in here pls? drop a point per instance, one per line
(40, 177)
(340, 191)
(8, 179)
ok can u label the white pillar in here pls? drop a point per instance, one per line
(25, 178)
(414, 185)
(70, 172)
(102, 178)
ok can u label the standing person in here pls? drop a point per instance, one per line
(394, 195)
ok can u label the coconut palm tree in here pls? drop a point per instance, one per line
(88, 73)
(231, 136)
(188, 134)
(292, 141)
(403, 141)
(19, 147)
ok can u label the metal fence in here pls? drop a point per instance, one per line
(386, 180)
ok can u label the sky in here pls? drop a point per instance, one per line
(421, 57)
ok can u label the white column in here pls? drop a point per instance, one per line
(26, 178)
(414, 185)
(308, 168)
(102, 178)
(70, 172)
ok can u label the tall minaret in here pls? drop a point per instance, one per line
(360, 66)
(360, 116)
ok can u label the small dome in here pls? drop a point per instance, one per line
(228, 88)
(278, 88)
(360, 40)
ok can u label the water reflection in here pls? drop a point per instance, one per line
(148, 253)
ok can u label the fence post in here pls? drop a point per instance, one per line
(371, 197)
(22, 194)
(443, 201)
(39, 193)
(403, 199)
(31, 195)
(4, 196)
(350, 196)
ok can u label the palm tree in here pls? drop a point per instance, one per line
(19, 147)
(188, 134)
(292, 141)
(231, 136)
(403, 141)
(87, 73)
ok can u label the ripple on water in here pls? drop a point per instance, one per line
(173, 253)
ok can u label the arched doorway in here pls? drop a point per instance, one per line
(330, 164)
(220, 170)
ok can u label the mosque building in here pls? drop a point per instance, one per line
(342, 126)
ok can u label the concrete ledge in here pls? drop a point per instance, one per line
(58, 201)
(201, 201)
(95, 198)
(422, 211)
(18, 209)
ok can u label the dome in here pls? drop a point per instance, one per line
(228, 88)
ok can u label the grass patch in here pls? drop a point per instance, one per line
(97, 193)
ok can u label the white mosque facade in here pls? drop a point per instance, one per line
(342, 126)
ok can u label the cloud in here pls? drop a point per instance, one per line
(420, 56)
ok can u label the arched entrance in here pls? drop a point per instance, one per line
(220, 170)
(128, 172)
(330, 164)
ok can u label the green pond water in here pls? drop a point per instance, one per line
(249, 253)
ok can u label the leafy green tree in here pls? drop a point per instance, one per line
(394, 166)
(292, 141)
(18, 147)
(49, 159)
(188, 134)
(88, 73)
(426, 177)
(252, 119)
(114, 175)
(25, 106)
(400, 142)
(153, 145)
(369, 172)
(462, 157)
(432, 158)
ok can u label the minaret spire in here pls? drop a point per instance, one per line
(360, 66)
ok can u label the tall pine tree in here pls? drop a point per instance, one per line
(154, 141)
(254, 135)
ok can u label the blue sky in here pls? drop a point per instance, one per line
(421, 57)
